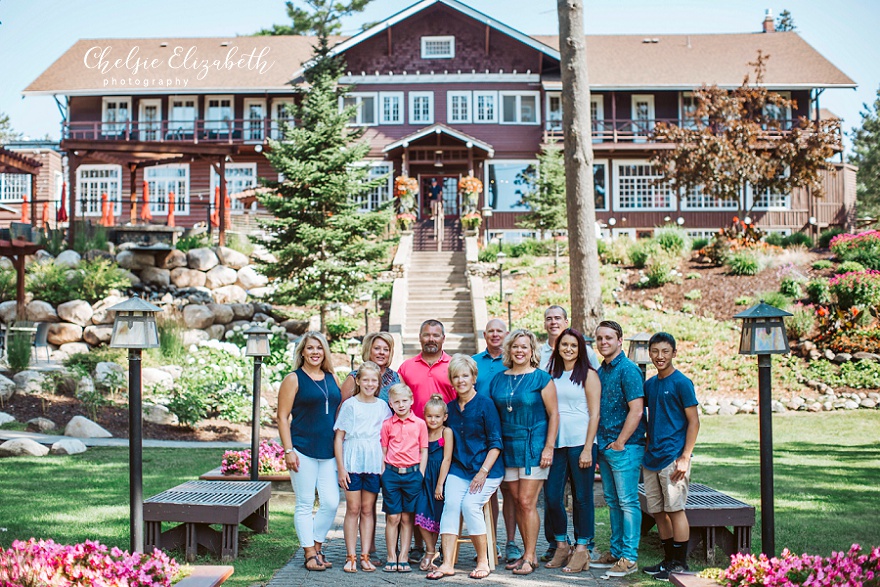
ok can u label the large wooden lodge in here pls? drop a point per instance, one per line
(444, 91)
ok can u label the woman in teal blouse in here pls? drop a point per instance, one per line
(525, 398)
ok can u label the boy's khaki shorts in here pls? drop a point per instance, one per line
(661, 494)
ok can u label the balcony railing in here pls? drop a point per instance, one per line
(190, 131)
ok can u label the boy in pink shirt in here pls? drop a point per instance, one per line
(405, 445)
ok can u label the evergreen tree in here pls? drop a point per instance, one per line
(866, 154)
(321, 18)
(324, 246)
(785, 22)
(7, 133)
(544, 192)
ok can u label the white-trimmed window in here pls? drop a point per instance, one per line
(254, 119)
(781, 115)
(391, 107)
(282, 111)
(701, 233)
(503, 193)
(15, 187)
(94, 180)
(218, 114)
(520, 107)
(696, 199)
(629, 233)
(600, 184)
(770, 201)
(164, 179)
(642, 114)
(182, 115)
(438, 47)
(239, 177)
(458, 107)
(115, 115)
(634, 188)
(367, 112)
(421, 107)
(150, 119)
(485, 107)
(554, 111)
(381, 194)
(597, 115)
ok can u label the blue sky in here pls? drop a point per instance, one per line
(34, 33)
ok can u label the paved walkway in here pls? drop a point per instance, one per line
(294, 573)
(49, 439)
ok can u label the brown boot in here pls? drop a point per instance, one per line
(560, 557)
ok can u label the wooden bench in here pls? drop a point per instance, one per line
(197, 505)
(206, 576)
(710, 513)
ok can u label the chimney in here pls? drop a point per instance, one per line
(769, 26)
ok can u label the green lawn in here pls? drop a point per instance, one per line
(827, 469)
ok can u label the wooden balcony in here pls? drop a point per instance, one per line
(230, 131)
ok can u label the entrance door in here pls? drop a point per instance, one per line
(449, 187)
(150, 120)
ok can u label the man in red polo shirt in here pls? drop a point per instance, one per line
(428, 372)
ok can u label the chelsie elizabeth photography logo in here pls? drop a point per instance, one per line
(174, 69)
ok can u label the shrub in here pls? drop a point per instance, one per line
(171, 345)
(849, 267)
(693, 275)
(617, 252)
(601, 247)
(818, 291)
(53, 241)
(743, 301)
(660, 270)
(863, 247)
(743, 263)
(239, 242)
(535, 248)
(85, 363)
(340, 326)
(859, 288)
(826, 236)
(774, 298)
(640, 252)
(7, 285)
(699, 243)
(822, 264)
(791, 287)
(18, 355)
(51, 283)
(193, 241)
(97, 277)
(91, 281)
(672, 239)
(688, 308)
(798, 238)
(693, 294)
(89, 237)
(775, 238)
(801, 322)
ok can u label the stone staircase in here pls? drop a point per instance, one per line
(423, 236)
(438, 289)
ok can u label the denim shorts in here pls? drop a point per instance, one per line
(399, 492)
(364, 482)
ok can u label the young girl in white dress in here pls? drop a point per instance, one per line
(359, 459)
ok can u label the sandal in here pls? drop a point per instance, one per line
(560, 558)
(579, 561)
(437, 575)
(427, 562)
(390, 567)
(318, 566)
(404, 568)
(350, 559)
(366, 564)
(323, 559)
(479, 573)
(520, 570)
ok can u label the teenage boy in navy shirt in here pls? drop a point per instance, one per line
(673, 424)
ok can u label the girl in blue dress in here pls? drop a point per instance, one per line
(429, 505)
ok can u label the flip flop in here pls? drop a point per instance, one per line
(520, 571)
(390, 567)
(437, 575)
(404, 568)
(313, 558)
(479, 574)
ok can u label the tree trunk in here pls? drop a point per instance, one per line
(586, 289)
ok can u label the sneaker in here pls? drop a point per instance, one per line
(548, 554)
(654, 569)
(605, 561)
(622, 568)
(512, 552)
(595, 555)
(673, 568)
(415, 555)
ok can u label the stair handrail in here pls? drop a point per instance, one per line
(439, 221)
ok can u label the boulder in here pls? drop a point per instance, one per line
(174, 370)
(201, 259)
(828, 354)
(173, 259)
(73, 348)
(93, 254)
(64, 332)
(6, 418)
(77, 312)
(43, 256)
(197, 316)
(298, 327)
(230, 294)
(778, 407)
(183, 277)
(223, 314)
(68, 258)
(22, 447)
(82, 427)
(244, 324)
(850, 404)
(219, 276)
(231, 258)
(156, 276)
(194, 337)
(242, 311)
(868, 403)
(134, 279)
(102, 315)
(97, 334)
(841, 358)
(196, 295)
(108, 373)
(711, 410)
(863, 356)
(41, 425)
(728, 410)
(135, 261)
(261, 318)
(6, 264)
(159, 414)
(248, 278)
(156, 378)
(68, 446)
(85, 385)
(8, 311)
(7, 388)
(28, 382)
(260, 292)
(216, 331)
(40, 311)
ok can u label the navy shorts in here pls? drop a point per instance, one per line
(364, 482)
(399, 492)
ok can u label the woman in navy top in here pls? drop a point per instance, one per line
(307, 404)
(476, 470)
(525, 398)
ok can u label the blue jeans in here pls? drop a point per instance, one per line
(620, 484)
(565, 468)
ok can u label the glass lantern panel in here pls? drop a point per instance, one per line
(769, 337)
(258, 346)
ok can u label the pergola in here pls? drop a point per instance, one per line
(17, 250)
(12, 162)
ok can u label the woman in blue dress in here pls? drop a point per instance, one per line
(525, 398)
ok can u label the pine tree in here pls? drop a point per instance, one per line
(544, 192)
(866, 154)
(325, 247)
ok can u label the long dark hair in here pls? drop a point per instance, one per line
(581, 364)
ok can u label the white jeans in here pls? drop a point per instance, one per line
(314, 474)
(459, 501)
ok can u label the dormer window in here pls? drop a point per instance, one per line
(438, 47)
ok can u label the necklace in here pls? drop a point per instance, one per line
(322, 385)
(513, 385)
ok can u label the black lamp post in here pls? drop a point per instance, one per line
(502, 256)
(638, 351)
(134, 328)
(508, 295)
(257, 347)
(763, 334)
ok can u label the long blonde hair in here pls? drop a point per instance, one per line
(367, 366)
(298, 359)
(367, 345)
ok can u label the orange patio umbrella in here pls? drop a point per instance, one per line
(61, 215)
(106, 211)
(170, 208)
(215, 213)
(45, 215)
(146, 215)
(25, 213)
(228, 218)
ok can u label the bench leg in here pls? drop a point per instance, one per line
(192, 542)
(710, 545)
(743, 536)
(229, 546)
(153, 538)
(259, 520)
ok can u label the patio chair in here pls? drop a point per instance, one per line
(41, 340)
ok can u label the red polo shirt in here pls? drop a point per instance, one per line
(404, 438)
(425, 381)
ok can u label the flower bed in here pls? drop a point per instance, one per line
(863, 248)
(854, 568)
(45, 563)
(238, 462)
(857, 288)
